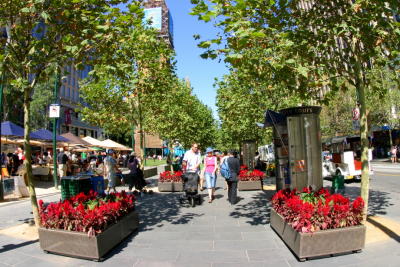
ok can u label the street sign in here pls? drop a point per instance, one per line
(356, 114)
(54, 111)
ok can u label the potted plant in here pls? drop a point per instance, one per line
(250, 180)
(170, 181)
(87, 225)
(318, 223)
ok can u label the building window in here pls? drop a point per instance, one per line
(68, 92)
(76, 131)
(95, 134)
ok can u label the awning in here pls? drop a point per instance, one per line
(73, 139)
(114, 145)
(11, 129)
(44, 134)
(272, 118)
(93, 141)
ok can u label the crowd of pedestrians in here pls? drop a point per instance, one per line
(212, 162)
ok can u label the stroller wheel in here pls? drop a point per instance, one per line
(199, 200)
(192, 202)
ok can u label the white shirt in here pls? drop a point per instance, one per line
(192, 160)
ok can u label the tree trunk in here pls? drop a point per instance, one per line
(364, 143)
(28, 157)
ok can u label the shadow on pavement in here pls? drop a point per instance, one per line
(16, 246)
(256, 209)
(378, 202)
(385, 229)
(157, 209)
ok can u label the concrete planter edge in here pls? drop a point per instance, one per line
(321, 243)
(80, 245)
(249, 185)
(170, 187)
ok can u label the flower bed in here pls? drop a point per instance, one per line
(89, 213)
(309, 211)
(170, 176)
(170, 181)
(246, 175)
(87, 226)
(317, 223)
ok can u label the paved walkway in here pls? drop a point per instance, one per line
(215, 234)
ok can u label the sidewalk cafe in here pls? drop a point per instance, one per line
(85, 157)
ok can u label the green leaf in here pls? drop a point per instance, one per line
(45, 16)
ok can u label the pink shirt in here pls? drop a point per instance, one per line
(210, 164)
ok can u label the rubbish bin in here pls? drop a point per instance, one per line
(338, 184)
(73, 185)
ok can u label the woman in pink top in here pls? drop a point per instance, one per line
(210, 169)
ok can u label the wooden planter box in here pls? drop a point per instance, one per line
(170, 187)
(78, 244)
(249, 185)
(321, 243)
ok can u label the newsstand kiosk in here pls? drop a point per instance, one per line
(297, 142)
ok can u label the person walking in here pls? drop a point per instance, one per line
(223, 158)
(191, 161)
(62, 160)
(234, 168)
(210, 169)
(110, 170)
(393, 153)
(134, 174)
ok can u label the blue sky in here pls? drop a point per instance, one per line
(201, 72)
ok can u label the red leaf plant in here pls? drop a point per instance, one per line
(309, 211)
(245, 175)
(89, 213)
(169, 176)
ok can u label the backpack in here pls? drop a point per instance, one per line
(225, 171)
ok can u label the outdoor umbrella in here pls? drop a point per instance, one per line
(114, 145)
(44, 134)
(73, 139)
(11, 129)
(93, 141)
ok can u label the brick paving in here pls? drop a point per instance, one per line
(215, 234)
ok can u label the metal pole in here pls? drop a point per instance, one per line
(54, 133)
(1, 119)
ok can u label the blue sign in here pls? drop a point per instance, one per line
(155, 16)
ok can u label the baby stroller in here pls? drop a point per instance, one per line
(190, 188)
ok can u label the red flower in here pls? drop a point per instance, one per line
(310, 211)
(86, 213)
(169, 176)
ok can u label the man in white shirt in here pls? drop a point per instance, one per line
(192, 159)
(191, 164)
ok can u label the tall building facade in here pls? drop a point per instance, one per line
(70, 101)
(157, 11)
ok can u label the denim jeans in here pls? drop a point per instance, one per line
(211, 179)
